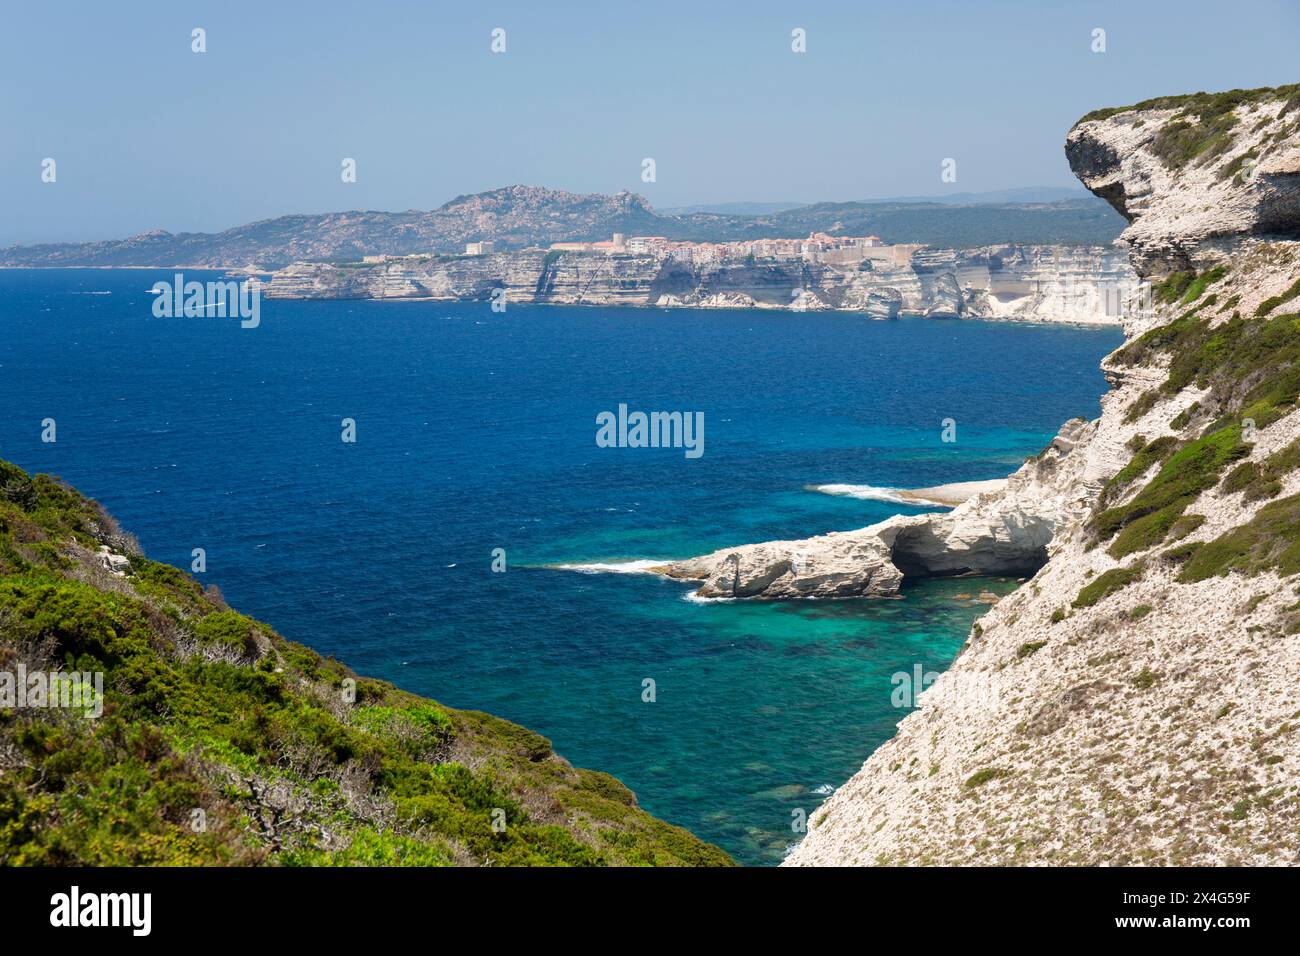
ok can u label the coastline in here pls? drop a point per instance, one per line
(1048, 317)
(1045, 284)
(1101, 323)
(945, 496)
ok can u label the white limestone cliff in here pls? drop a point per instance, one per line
(1116, 709)
(1074, 284)
(1193, 174)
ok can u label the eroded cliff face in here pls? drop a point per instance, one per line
(1085, 284)
(1194, 174)
(1138, 700)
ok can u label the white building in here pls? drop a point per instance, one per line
(642, 244)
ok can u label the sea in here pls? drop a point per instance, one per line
(428, 550)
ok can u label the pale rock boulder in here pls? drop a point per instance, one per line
(112, 562)
(945, 297)
(837, 565)
(879, 302)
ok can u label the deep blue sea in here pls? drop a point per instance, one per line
(475, 431)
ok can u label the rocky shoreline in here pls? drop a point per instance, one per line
(1000, 528)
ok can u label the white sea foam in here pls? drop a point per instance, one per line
(614, 567)
(867, 492)
(695, 597)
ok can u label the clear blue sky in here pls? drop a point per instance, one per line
(147, 134)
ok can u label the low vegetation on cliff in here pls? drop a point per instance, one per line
(1248, 369)
(1205, 126)
(1204, 104)
(220, 742)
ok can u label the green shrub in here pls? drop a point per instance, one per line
(1194, 468)
(985, 775)
(1269, 541)
(1143, 404)
(1108, 583)
(374, 848)
(1184, 418)
(1271, 303)
(1253, 365)
(1182, 553)
(1261, 480)
(1238, 163)
(228, 629)
(1147, 457)
(1172, 287)
(1240, 478)
(1184, 526)
(1190, 468)
(1198, 285)
(1205, 104)
(1202, 135)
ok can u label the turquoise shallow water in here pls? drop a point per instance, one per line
(476, 431)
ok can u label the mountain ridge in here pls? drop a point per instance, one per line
(519, 216)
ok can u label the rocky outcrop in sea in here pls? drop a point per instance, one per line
(1006, 531)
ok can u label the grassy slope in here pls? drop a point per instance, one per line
(1249, 368)
(1204, 104)
(208, 710)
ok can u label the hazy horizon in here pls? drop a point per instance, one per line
(992, 197)
(148, 134)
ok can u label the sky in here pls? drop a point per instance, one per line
(147, 134)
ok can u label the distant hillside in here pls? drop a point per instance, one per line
(1071, 222)
(734, 208)
(518, 216)
(1027, 194)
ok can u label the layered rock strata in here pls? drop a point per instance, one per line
(1084, 284)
